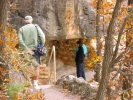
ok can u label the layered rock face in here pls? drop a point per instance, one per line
(59, 19)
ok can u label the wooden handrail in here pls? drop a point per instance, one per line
(54, 55)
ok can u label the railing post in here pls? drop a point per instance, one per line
(54, 64)
(54, 55)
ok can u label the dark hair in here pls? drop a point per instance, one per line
(79, 42)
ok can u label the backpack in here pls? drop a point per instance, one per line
(40, 50)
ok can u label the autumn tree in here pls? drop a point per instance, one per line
(111, 55)
(3, 18)
(3, 15)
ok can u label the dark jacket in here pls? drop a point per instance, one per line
(79, 55)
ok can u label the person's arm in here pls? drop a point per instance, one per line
(20, 40)
(41, 35)
(76, 50)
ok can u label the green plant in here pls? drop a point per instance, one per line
(14, 88)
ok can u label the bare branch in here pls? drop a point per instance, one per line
(117, 71)
(119, 38)
(120, 71)
(127, 51)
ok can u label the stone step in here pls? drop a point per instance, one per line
(43, 66)
(44, 70)
(43, 82)
(43, 77)
(43, 74)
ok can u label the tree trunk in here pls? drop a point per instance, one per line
(3, 17)
(98, 35)
(108, 53)
(130, 2)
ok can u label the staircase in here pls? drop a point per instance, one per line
(47, 74)
(44, 75)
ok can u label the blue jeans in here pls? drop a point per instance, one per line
(37, 57)
(80, 70)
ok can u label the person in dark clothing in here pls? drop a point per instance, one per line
(79, 59)
(85, 49)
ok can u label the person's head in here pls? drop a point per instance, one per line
(28, 19)
(79, 42)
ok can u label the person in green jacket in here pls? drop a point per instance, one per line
(29, 36)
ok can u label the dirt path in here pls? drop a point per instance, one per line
(52, 93)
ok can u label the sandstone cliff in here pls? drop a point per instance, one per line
(59, 19)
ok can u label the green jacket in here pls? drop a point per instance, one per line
(29, 37)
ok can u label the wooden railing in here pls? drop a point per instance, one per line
(54, 65)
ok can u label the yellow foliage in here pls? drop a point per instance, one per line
(1, 69)
(3, 98)
(16, 68)
(35, 95)
(3, 51)
(107, 18)
(100, 11)
(1, 26)
(128, 24)
(13, 6)
(94, 4)
(1, 42)
(93, 58)
(120, 18)
(26, 95)
(123, 9)
(15, 96)
(8, 79)
(107, 5)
